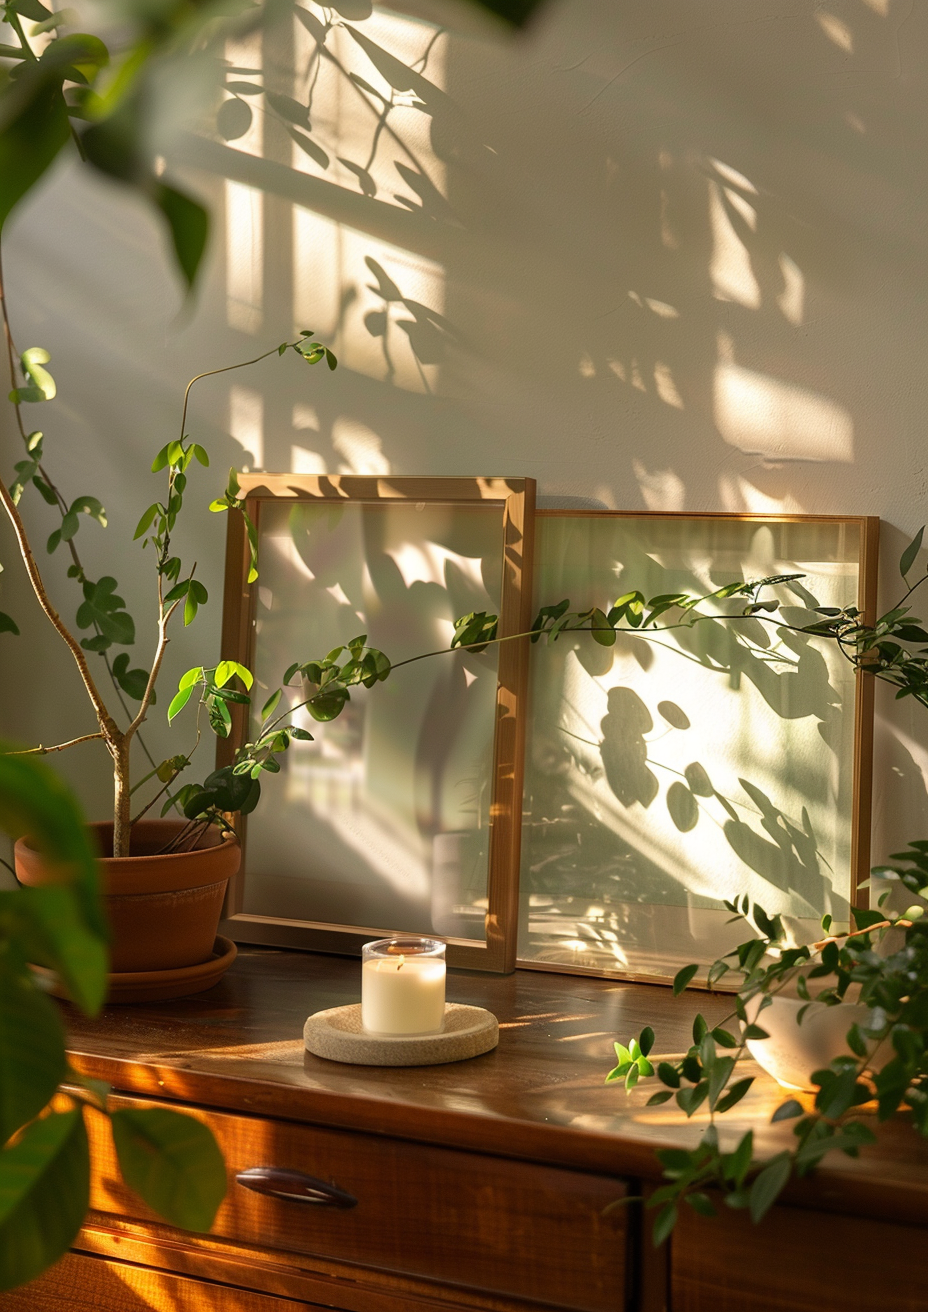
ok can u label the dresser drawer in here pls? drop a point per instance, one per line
(796, 1261)
(479, 1222)
(91, 1284)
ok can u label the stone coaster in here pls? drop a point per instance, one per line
(337, 1035)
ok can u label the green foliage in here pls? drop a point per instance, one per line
(44, 1193)
(893, 986)
(40, 386)
(172, 1160)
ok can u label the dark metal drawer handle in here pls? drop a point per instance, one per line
(294, 1186)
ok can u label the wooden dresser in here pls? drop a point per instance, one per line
(484, 1185)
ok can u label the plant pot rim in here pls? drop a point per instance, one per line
(145, 873)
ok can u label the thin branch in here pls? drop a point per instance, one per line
(210, 373)
(107, 723)
(59, 747)
(855, 933)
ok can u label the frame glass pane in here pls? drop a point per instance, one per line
(382, 821)
(665, 775)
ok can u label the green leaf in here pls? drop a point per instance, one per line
(44, 491)
(192, 676)
(89, 506)
(188, 222)
(32, 1060)
(682, 978)
(734, 1095)
(701, 1204)
(270, 706)
(146, 521)
(41, 384)
(69, 526)
(133, 682)
(601, 630)
(55, 933)
(907, 559)
(33, 128)
(31, 9)
(33, 800)
(7, 623)
(200, 454)
(44, 1194)
(161, 459)
(173, 1162)
(179, 701)
(330, 359)
(191, 606)
(646, 1040)
(54, 541)
(664, 1223)
(787, 1111)
(769, 1184)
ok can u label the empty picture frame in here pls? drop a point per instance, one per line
(665, 775)
(402, 815)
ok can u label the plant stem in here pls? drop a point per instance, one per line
(122, 824)
(59, 747)
(107, 723)
(210, 373)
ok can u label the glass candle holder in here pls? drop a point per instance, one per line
(403, 986)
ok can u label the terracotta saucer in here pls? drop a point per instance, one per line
(158, 985)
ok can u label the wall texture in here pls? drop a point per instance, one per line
(655, 254)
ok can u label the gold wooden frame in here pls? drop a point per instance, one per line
(516, 497)
(861, 807)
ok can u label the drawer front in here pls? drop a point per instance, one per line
(91, 1284)
(483, 1223)
(796, 1261)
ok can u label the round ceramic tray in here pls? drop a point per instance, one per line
(157, 985)
(337, 1035)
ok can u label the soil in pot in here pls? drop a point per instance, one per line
(163, 907)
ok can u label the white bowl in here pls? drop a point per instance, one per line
(795, 1049)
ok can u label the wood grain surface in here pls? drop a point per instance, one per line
(539, 1096)
(796, 1261)
(532, 1232)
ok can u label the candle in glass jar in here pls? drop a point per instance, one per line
(403, 986)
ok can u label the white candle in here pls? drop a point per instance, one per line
(403, 986)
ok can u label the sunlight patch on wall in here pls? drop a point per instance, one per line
(360, 448)
(739, 496)
(244, 257)
(379, 306)
(791, 299)
(246, 424)
(730, 268)
(303, 461)
(765, 416)
(836, 30)
(661, 489)
(369, 131)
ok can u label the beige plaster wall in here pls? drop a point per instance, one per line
(656, 253)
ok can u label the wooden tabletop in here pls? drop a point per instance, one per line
(540, 1095)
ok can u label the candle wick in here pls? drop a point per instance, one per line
(402, 962)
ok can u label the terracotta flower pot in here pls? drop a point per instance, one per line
(163, 909)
